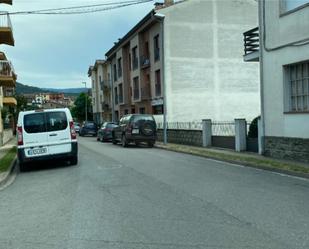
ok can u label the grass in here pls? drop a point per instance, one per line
(7, 160)
(253, 161)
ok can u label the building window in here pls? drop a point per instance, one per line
(115, 72)
(135, 88)
(133, 110)
(116, 96)
(297, 87)
(157, 110)
(126, 111)
(134, 58)
(120, 97)
(119, 68)
(156, 47)
(293, 4)
(142, 110)
(158, 83)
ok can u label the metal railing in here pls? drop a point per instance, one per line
(223, 128)
(136, 93)
(158, 89)
(5, 20)
(195, 125)
(251, 41)
(145, 61)
(6, 69)
(8, 92)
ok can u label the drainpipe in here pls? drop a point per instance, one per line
(261, 32)
(161, 17)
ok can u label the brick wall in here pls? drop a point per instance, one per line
(187, 137)
(287, 148)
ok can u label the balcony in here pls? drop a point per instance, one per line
(120, 99)
(6, 1)
(145, 61)
(6, 29)
(7, 74)
(105, 107)
(252, 45)
(145, 93)
(8, 97)
(116, 99)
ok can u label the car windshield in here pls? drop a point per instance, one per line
(137, 118)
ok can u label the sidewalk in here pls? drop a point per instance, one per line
(8, 158)
(243, 158)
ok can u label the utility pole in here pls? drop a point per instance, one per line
(85, 100)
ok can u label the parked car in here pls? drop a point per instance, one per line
(77, 127)
(105, 132)
(135, 128)
(88, 128)
(44, 135)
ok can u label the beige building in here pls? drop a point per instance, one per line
(191, 50)
(284, 68)
(7, 74)
(101, 91)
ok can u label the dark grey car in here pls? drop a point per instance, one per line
(105, 132)
(135, 128)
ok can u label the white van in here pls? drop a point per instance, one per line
(46, 134)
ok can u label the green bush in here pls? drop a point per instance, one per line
(253, 129)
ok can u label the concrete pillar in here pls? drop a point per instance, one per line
(240, 135)
(207, 132)
(260, 137)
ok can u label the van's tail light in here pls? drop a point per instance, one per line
(20, 140)
(72, 130)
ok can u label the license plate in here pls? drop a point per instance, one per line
(135, 131)
(35, 152)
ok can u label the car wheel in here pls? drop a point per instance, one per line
(73, 160)
(137, 143)
(124, 141)
(98, 139)
(150, 144)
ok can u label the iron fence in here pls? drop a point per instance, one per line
(182, 125)
(223, 128)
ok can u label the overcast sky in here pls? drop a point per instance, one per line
(56, 51)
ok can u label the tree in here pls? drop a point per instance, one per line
(78, 110)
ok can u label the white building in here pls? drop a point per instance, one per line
(204, 72)
(284, 65)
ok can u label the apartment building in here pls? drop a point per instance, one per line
(7, 74)
(192, 51)
(101, 91)
(283, 53)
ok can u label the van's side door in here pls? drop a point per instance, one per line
(58, 131)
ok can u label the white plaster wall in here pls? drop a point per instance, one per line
(134, 73)
(99, 90)
(280, 31)
(205, 74)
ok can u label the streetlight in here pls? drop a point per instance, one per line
(85, 100)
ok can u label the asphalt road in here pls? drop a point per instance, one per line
(134, 198)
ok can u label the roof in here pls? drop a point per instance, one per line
(148, 17)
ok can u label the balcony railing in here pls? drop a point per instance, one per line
(251, 41)
(158, 89)
(5, 20)
(8, 92)
(6, 69)
(135, 63)
(136, 93)
(145, 61)
(145, 93)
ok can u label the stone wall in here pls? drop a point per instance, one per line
(187, 137)
(287, 148)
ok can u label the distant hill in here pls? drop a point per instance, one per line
(22, 89)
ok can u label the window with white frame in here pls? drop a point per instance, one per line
(293, 4)
(297, 87)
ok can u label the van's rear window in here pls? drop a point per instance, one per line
(56, 121)
(35, 123)
(43, 122)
